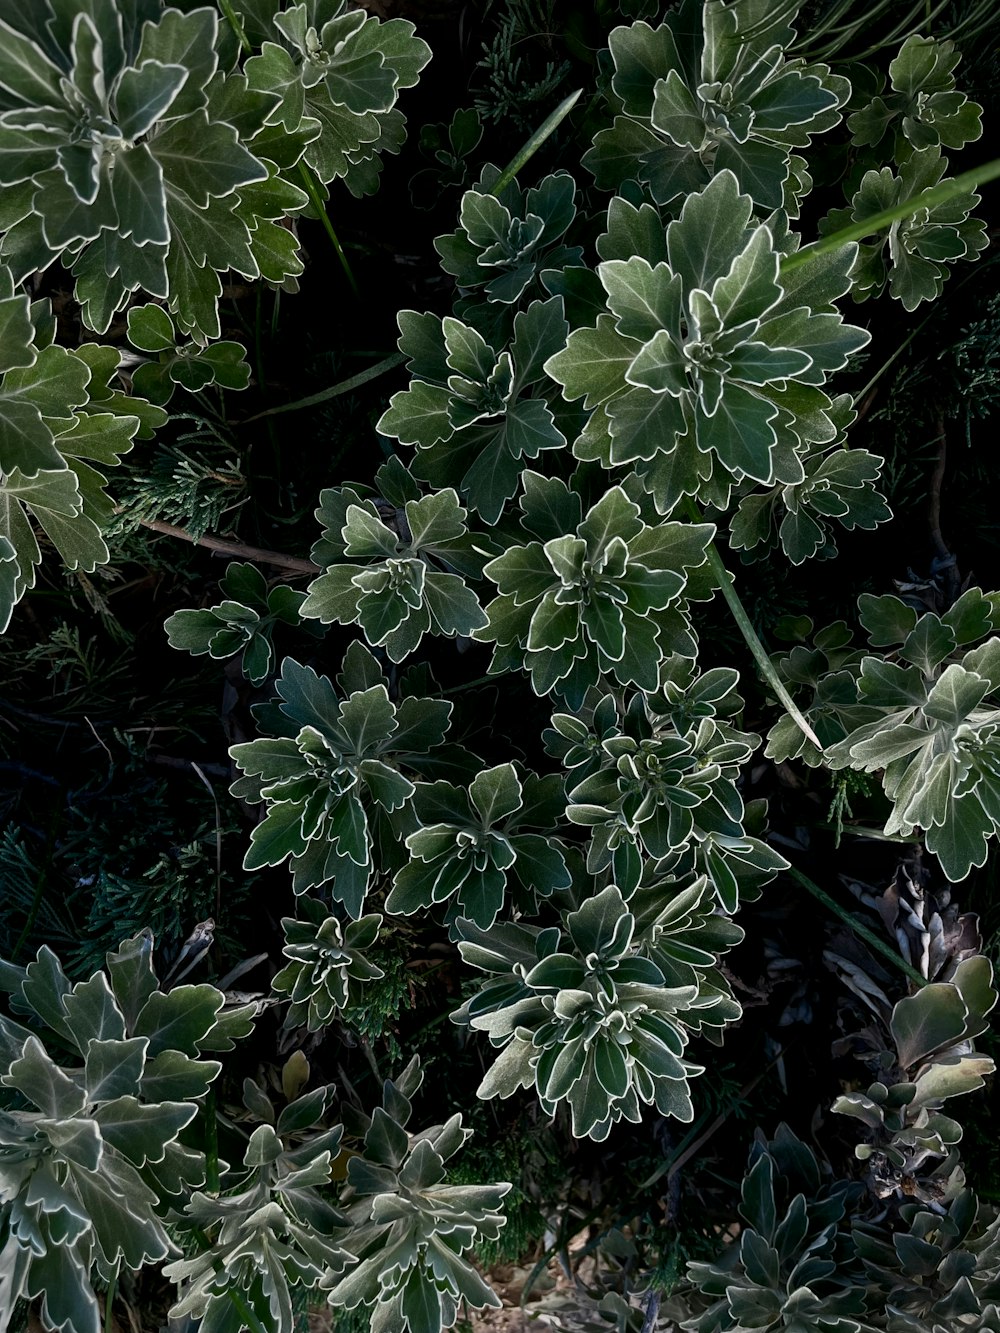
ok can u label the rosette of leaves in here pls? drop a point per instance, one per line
(191, 365)
(409, 1228)
(334, 74)
(923, 109)
(272, 1230)
(699, 95)
(938, 1273)
(791, 1269)
(106, 1072)
(932, 1060)
(709, 364)
(395, 563)
(506, 241)
(449, 147)
(590, 594)
(583, 1017)
(910, 257)
(839, 484)
(327, 968)
(243, 623)
(658, 790)
(475, 843)
(62, 423)
(680, 929)
(122, 156)
(827, 667)
(332, 778)
(936, 734)
(475, 413)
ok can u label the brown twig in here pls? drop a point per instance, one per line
(239, 549)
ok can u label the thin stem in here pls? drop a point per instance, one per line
(535, 142)
(930, 198)
(750, 635)
(857, 926)
(318, 203)
(345, 386)
(227, 8)
(211, 1143)
(239, 549)
(109, 1300)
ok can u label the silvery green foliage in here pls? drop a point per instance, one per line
(410, 1229)
(475, 844)
(590, 594)
(188, 364)
(272, 1229)
(507, 241)
(827, 666)
(583, 1015)
(910, 257)
(63, 422)
(394, 1239)
(939, 1273)
(935, 723)
(108, 1071)
(682, 931)
(125, 153)
(708, 367)
(332, 74)
(932, 1059)
(334, 776)
(788, 1272)
(663, 787)
(395, 563)
(838, 486)
(476, 413)
(327, 968)
(920, 709)
(924, 109)
(243, 623)
(696, 103)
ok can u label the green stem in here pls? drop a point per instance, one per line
(318, 203)
(750, 635)
(345, 386)
(930, 198)
(857, 926)
(109, 1300)
(211, 1143)
(227, 8)
(536, 141)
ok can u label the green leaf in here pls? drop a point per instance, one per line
(496, 793)
(144, 92)
(593, 363)
(179, 1020)
(928, 644)
(710, 233)
(887, 619)
(36, 1076)
(924, 1023)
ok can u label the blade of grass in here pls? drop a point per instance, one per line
(750, 635)
(857, 926)
(335, 390)
(536, 141)
(930, 198)
(227, 8)
(319, 204)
